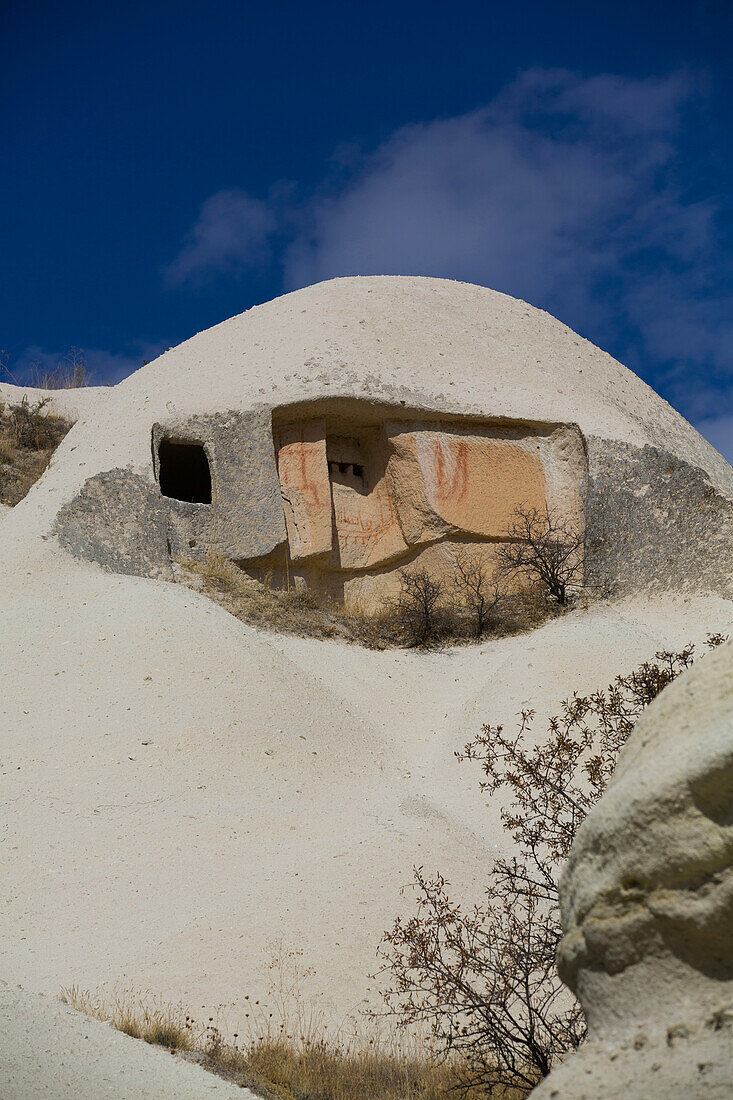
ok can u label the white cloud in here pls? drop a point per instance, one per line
(570, 193)
(230, 233)
(547, 193)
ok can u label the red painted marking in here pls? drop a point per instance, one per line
(451, 478)
(293, 460)
(361, 529)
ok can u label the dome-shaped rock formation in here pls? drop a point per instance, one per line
(343, 431)
(185, 795)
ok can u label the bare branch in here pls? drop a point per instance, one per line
(418, 605)
(484, 978)
(475, 586)
(544, 547)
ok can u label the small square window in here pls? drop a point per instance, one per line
(183, 472)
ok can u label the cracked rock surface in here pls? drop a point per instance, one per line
(647, 899)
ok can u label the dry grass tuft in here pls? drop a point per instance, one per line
(28, 438)
(293, 1066)
(323, 1071)
(153, 1022)
(69, 372)
(295, 611)
(302, 612)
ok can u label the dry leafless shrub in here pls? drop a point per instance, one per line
(475, 587)
(30, 427)
(411, 619)
(419, 606)
(544, 547)
(484, 978)
(69, 372)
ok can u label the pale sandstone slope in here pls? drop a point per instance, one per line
(50, 1052)
(181, 791)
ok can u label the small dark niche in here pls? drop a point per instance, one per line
(183, 471)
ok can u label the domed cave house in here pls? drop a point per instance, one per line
(341, 433)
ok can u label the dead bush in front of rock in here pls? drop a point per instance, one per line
(483, 977)
(468, 602)
(68, 373)
(475, 588)
(30, 427)
(420, 607)
(428, 610)
(544, 548)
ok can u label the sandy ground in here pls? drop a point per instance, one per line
(49, 1050)
(185, 798)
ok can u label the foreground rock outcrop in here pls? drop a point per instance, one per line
(647, 900)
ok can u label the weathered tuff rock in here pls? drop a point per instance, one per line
(647, 903)
(354, 428)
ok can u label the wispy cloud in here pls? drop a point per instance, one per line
(571, 193)
(231, 233)
(562, 191)
(542, 184)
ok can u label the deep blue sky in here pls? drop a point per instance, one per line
(166, 165)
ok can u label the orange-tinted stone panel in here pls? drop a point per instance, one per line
(306, 491)
(367, 529)
(448, 481)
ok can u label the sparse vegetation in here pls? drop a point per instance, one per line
(68, 373)
(420, 607)
(291, 611)
(29, 435)
(483, 978)
(476, 588)
(286, 1064)
(544, 548)
(426, 612)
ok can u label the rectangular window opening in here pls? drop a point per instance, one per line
(183, 472)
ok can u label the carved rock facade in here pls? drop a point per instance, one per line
(340, 497)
